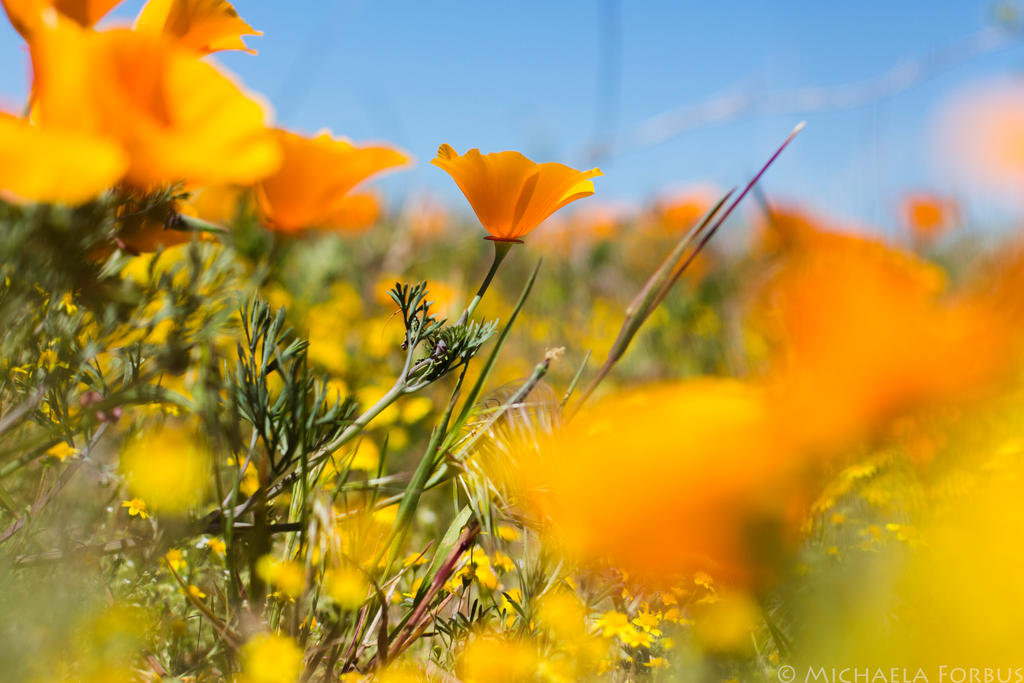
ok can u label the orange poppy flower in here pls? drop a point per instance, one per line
(178, 118)
(44, 165)
(678, 212)
(666, 480)
(29, 16)
(981, 132)
(867, 333)
(201, 25)
(316, 175)
(510, 194)
(357, 212)
(927, 215)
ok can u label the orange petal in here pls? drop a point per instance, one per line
(316, 174)
(201, 25)
(510, 194)
(29, 16)
(44, 165)
(179, 118)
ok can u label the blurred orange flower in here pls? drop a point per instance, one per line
(358, 211)
(46, 165)
(510, 194)
(928, 215)
(982, 132)
(669, 479)
(216, 203)
(677, 213)
(427, 217)
(316, 175)
(867, 333)
(30, 16)
(202, 25)
(178, 118)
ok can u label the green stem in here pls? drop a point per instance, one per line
(501, 249)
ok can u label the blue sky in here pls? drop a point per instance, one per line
(526, 76)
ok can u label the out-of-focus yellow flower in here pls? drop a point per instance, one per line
(177, 117)
(52, 164)
(286, 575)
(166, 468)
(510, 194)
(315, 177)
(476, 566)
(136, 508)
(347, 586)
(564, 615)
(726, 623)
(270, 658)
(196, 592)
(399, 672)
(611, 624)
(217, 546)
(487, 659)
(30, 16)
(175, 559)
(201, 25)
(927, 215)
(61, 451)
(366, 457)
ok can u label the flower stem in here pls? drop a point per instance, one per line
(501, 249)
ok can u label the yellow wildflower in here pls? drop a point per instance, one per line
(286, 575)
(270, 658)
(136, 507)
(175, 560)
(61, 451)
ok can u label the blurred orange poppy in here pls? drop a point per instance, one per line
(510, 194)
(867, 333)
(202, 25)
(311, 187)
(928, 215)
(358, 211)
(45, 165)
(670, 479)
(29, 16)
(982, 132)
(678, 212)
(178, 118)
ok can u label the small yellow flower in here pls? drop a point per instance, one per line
(136, 508)
(175, 560)
(61, 451)
(613, 623)
(286, 575)
(648, 621)
(503, 562)
(217, 546)
(195, 592)
(634, 638)
(656, 663)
